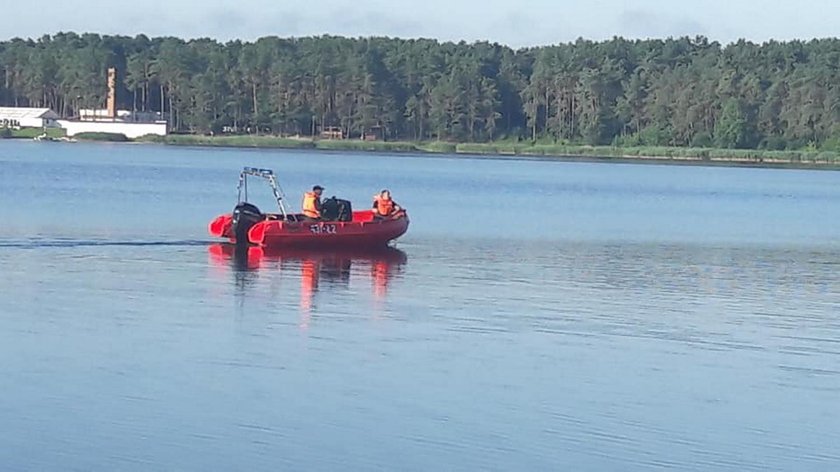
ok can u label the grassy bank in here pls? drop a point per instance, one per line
(230, 141)
(30, 133)
(802, 158)
(106, 137)
(673, 154)
(280, 143)
(753, 156)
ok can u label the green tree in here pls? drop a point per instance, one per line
(683, 91)
(732, 128)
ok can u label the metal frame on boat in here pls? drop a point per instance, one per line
(266, 174)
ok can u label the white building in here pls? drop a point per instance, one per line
(101, 114)
(121, 115)
(15, 117)
(131, 124)
(131, 130)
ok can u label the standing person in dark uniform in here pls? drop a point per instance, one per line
(312, 203)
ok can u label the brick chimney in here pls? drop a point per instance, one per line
(112, 92)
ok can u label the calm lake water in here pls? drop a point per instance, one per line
(537, 316)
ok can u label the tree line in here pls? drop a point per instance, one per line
(672, 92)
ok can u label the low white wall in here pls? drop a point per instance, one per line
(130, 130)
(32, 122)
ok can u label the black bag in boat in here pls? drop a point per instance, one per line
(336, 209)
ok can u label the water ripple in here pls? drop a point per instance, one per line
(85, 243)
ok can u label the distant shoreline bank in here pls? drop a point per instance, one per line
(710, 157)
(570, 153)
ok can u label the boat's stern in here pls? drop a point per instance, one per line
(221, 226)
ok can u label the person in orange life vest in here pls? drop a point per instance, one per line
(312, 203)
(384, 206)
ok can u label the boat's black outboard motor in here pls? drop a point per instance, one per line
(245, 215)
(336, 209)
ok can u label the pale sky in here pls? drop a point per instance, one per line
(515, 23)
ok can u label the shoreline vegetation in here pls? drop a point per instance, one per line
(710, 156)
(675, 97)
(680, 100)
(628, 154)
(805, 159)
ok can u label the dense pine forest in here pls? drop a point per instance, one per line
(675, 92)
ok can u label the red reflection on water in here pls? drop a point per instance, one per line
(315, 265)
(309, 271)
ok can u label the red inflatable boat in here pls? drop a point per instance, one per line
(248, 225)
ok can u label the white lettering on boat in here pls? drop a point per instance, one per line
(321, 228)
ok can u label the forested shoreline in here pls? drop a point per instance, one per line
(686, 92)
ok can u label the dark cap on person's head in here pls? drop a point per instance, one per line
(317, 187)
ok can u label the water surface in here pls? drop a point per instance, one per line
(537, 316)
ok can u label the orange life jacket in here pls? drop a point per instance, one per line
(383, 207)
(310, 207)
